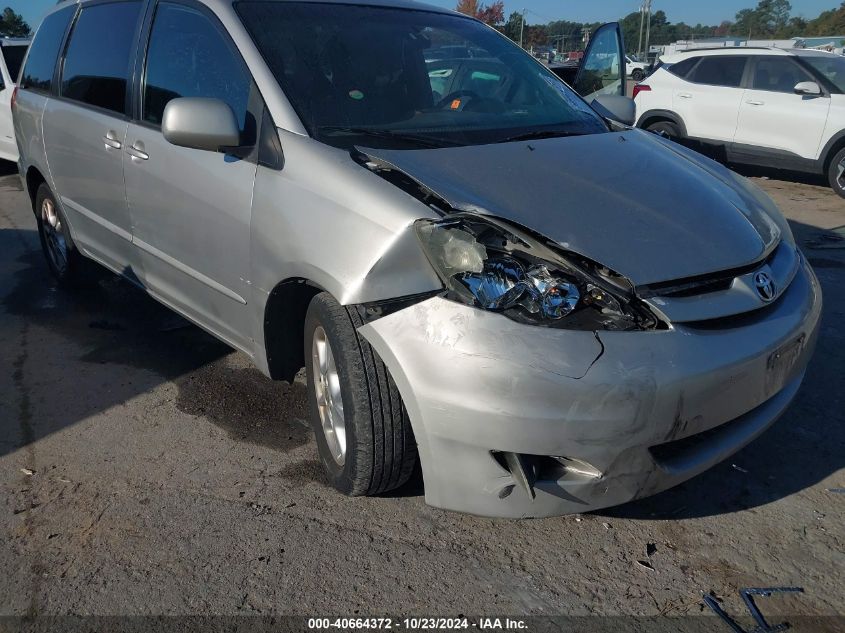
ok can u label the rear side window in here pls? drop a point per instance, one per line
(41, 61)
(777, 74)
(13, 55)
(96, 69)
(682, 68)
(719, 71)
(189, 57)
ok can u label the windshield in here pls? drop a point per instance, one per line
(831, 67)
(406, 77)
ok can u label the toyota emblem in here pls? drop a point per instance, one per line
(765, 286)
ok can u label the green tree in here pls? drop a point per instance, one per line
(12, 24)
(827, 23)
(513, 25)
(769, 19)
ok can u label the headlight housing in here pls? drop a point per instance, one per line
(488, 264)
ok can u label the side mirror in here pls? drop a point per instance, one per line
(198, 123)
(616, 107)
(809, 88)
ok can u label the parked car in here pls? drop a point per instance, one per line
(759, 106)
(489, 281)
(12, 51)
(637, 70)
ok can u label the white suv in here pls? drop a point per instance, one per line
(12, 52)
(761, 106)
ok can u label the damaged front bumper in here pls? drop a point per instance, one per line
(594, 419)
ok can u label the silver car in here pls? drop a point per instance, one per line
(480, 270)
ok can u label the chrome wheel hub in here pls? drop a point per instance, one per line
(327, 391)
(54, 235)
(840, 174)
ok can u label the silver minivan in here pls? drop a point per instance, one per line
(481, 269)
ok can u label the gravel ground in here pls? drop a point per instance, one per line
(146, 468)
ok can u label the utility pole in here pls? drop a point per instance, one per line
(640, 42)
(647, 5)
(521, 27)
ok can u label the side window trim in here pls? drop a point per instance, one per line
(144, 49)
(60, 65)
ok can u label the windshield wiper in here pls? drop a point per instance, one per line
(538, 134)
(389, 134)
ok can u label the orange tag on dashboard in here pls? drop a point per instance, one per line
(456, 104)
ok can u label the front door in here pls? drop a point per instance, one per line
(708, 98)
(85, 130)
(191, 208)
(772, 116)
(602, 69)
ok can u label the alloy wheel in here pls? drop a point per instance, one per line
(54, 236)
(329, 398)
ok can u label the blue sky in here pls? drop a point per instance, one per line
(542, 11)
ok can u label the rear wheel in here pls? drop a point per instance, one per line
(666, 129)
(66, 263)
(836, 172)
(638, 75)
(363, 433)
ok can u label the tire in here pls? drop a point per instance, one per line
(379, 452)
(836, 173)
(64, 260)
(637, 75)
(666, 128)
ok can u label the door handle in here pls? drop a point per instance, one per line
(685, 95)
(137, 152)
(755, 103)
(110, 140)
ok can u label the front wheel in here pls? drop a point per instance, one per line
(364, 437)
(638, 75)
(836, 173)
(666, 129)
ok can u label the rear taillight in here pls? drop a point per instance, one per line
(641, 88)
(14, 98)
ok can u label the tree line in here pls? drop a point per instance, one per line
(770, 19)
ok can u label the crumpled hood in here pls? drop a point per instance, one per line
(628, 200)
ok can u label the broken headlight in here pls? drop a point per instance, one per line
(490, 265)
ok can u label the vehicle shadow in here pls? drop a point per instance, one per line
(801, 449)
(67, 334)
(8, 168)
(750, 171)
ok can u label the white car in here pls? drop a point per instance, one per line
(636, 70)
(12, 52)
(760, 106)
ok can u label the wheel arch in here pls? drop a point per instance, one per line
(34, 179)
(284, 324)
(836, 143)
(654, 116)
